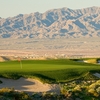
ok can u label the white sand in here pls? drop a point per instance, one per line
(29, 85)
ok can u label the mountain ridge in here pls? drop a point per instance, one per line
(54, 23)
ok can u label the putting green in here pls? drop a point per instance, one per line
(52, 70)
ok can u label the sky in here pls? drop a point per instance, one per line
(10, 8)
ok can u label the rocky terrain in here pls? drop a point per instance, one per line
(55, 33)
(54, 23)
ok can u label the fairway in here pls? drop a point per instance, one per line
(60, 70)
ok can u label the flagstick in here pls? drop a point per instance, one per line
(21, 64)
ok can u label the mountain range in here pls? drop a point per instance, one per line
(54, 23)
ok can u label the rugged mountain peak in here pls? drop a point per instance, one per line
(54, 23)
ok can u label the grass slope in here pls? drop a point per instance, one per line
(60, 70)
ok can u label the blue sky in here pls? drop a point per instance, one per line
(9, 8)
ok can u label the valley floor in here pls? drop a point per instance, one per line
(51, 48)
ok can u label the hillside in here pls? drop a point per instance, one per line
(55, 23)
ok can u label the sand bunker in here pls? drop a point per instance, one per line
(29, 85)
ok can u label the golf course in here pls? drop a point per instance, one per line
(50, 71)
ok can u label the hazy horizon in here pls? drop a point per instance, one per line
(12, 8)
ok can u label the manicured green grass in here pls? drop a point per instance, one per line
(60, 70)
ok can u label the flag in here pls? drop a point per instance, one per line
(19, 59)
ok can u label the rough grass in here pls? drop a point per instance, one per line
(60, 70)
